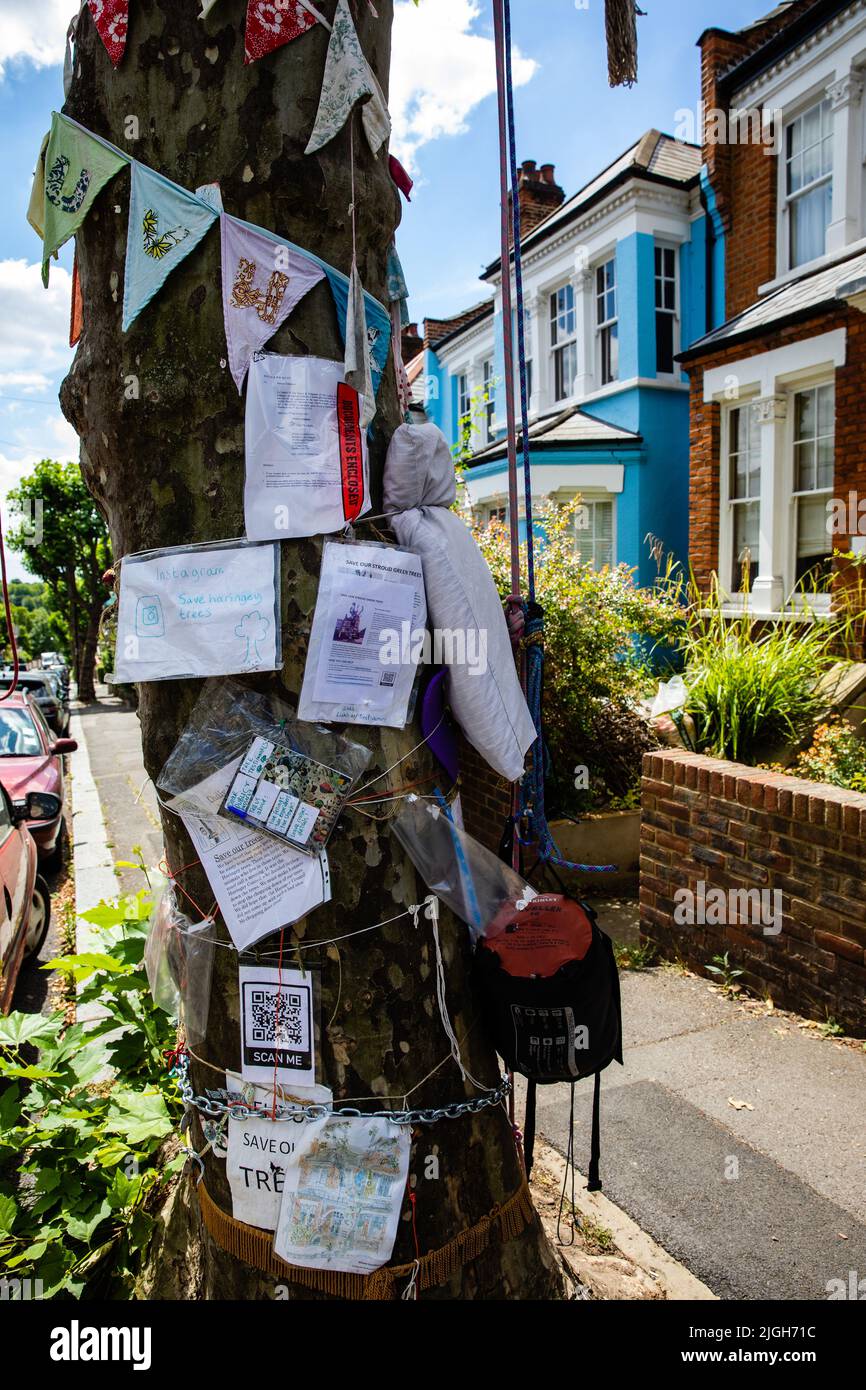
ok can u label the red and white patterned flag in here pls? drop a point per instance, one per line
(271, 23)
(111, 18)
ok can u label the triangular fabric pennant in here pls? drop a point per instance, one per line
(270, 24)
(263, 281)
(377, 321)
(359, 370)
(76, 310)
(165, 224)
(348, 79)
(403, 180)
(111, 18)
(36, 206)
(77, 167)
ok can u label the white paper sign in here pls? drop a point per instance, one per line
(259, 883)
(360, 666)
(258, 1151)
(277, 1031)
(208, 611)
(343, 1193)
(300, 481)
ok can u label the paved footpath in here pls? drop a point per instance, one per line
(760, 1202)
(762, 1199)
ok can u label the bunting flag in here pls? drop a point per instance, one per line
(359, 369)
(77, 167)
(271, 23)
(376, 328)
(111, 18)
(76, 309)
(206, 7)
(348, 79)
(403, 181)
(263, 281)
(165, 224)
(36, 206)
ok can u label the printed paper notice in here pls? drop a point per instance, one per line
(342, 1194)
(212, 611)
(277, 1032)
(306, 454)
(258, 1151)
(259, 883)
(362, 656)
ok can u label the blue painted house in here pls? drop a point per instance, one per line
(616, 284)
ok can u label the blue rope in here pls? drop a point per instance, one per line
(532, 813)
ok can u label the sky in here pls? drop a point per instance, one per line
(442, 100)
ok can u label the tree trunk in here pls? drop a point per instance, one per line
(74, 631)
(168, 468)
(86, 688)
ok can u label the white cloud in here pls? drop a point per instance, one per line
(34, 31)
(34, 322)
(440, 71)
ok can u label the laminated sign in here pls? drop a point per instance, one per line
(211, 610)
(287, 794)
(277, 1033)
(306, 453)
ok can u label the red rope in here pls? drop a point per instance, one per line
(276, 1017)
(10, 629)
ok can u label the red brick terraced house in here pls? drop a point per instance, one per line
(778, 387)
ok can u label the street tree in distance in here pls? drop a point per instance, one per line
(65, 544)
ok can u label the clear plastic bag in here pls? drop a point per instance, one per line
(178, 960)
(457, 868)
(229, 728)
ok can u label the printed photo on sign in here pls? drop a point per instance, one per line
(277, 1035)
(353, 674)
(306, 453)
(198, 611)
(287, 794)
(343, 1193)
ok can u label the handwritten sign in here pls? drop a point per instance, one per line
(210, 610)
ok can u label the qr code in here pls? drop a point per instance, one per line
(276, 1017)
(388, 678)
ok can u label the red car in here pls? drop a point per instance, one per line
(25, 908)
(31, 770)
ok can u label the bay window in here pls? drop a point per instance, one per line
(606, 324)
(814, 432)
(666, 307)
(744, 494)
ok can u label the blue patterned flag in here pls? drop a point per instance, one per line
(165, 224)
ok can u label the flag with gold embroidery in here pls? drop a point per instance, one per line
(263, 281)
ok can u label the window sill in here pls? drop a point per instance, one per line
(811, 267)
(788, 615)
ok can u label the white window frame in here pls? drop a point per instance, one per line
(488, 381)
(559, 346)
(785, 200)
(821, 603)
(727, 530)
(590, 497)
(464, 393)
(661, 245)
(602, 326)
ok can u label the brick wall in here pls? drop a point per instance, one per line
(705, 417)
(734, 827)
(484, 796)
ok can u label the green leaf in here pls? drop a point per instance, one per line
(10, 1108)
(48, 1179)
(83, 966)
(19, 1028)
(8, 1213)
(33, 1073)
(111, 1153)
(137, 1115)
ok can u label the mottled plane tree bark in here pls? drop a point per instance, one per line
(162, 449)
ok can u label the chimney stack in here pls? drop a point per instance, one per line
(538, 192)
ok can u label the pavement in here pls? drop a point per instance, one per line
(732, 1137)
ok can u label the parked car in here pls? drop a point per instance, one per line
(43, 687)
(31, 770)
(25, 908)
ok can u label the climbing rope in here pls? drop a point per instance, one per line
(529, 817)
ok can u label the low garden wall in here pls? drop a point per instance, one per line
(765, 867)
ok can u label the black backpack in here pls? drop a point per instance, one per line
(548, 987)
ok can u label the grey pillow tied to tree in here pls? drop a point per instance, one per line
(485, 697)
